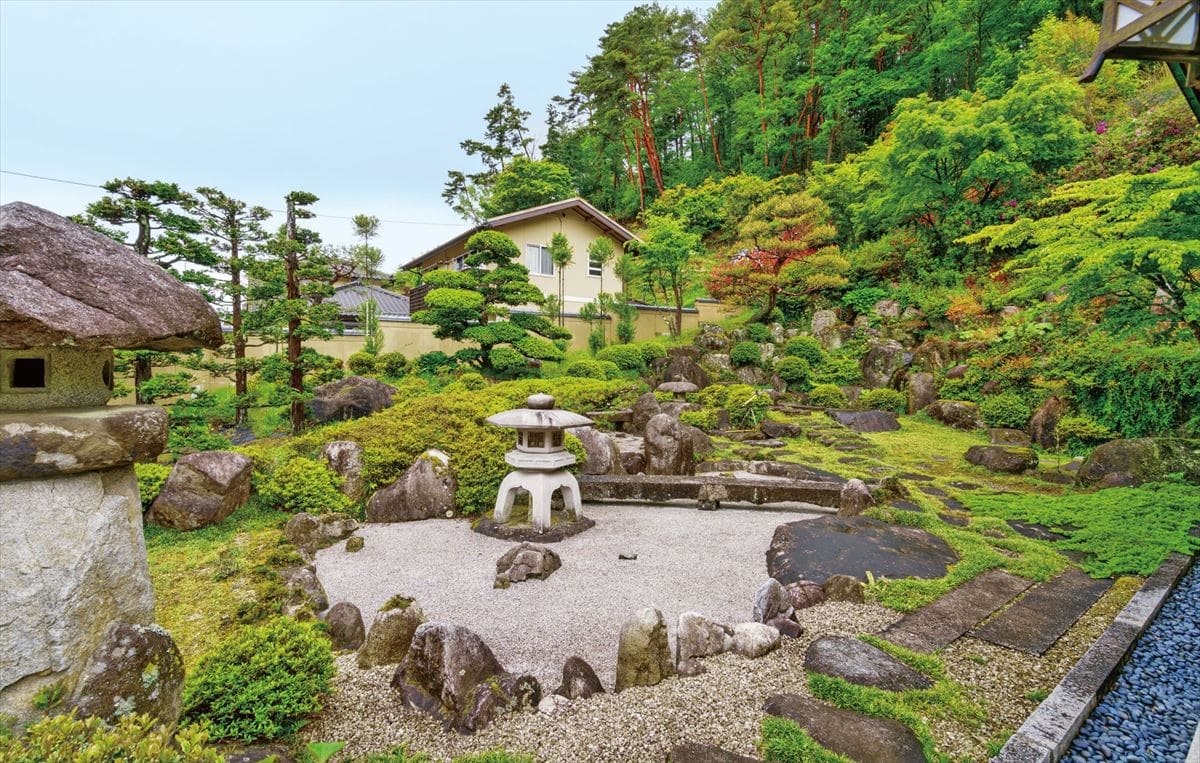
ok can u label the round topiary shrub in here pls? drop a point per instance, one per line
(392, 364)
(651, 351)
(805, 347)
(150, 478)
(472, 381)
(361, 363)
(302, 485)
(1005, 410)
(593, 369)
(837, 369)
(795, 372)
(745, 354)
(432, 362)
(261, 683)
(827, 396)
(882, 400)
(627, 357)
(1078, 434)
(759, 332)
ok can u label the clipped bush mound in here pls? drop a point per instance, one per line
(1005, 410)
(150, 478)
(805, 347)
(302, 484)
(837, 369)
(361, 363)
(594, 369)
(1078, 434)
(132, 738)
(759, 332)
(796, 372)
(392, 364)
(262, 683)
(745, 354)
(882, 400)
(632, 357)
(827, 396)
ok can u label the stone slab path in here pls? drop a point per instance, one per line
(861, 663)
(1043, 615)
(863, 738)
(937, 624)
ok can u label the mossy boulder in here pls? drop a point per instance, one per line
(1122, 463)
(1002, 458)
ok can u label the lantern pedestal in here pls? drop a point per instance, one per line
(541, 487)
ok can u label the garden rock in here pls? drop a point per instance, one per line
(753, 640)
(1002, 436)
(863, 738)
(668, 447)
(887, 308)
(316, 531)
(525, 561)
(778, 429)
(1145, 459)
(701, 442)
(346, 629)
(718, 363)
(345, 459)
(865, 422)
(787, 628)
(685, 367)
(860, 663)
(881, 362)
(579, 681)
(1043, 424)
(855, 498)
(601, 454)
(633, 462)
(697, 636)
(771, 601)
(803, 594)
(844, 588)
(48, 443)
(135, 669)
(752, 375)
(1002, 458)
(350, 398)
(390, 635)
(814, 549)
(958, 372)
(956, 413)
(712, 338)
(690, 752)
(922, 390)
(644, 408)
(424, 491)
(355, 543)
(643, 651)
(825, 329)
(450, 673)
(202, 489)
(305, 591)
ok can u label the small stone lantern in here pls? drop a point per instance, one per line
(680, 388)
(539, 459)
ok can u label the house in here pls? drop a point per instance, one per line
(352, 295)
(531, 229)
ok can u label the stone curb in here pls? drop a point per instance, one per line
(1047, 734)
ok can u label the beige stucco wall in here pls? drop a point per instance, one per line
(75, 379)
(579, 288)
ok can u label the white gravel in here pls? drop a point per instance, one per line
(709, 562)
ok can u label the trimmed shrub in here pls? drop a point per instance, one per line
(261, 683)
(1005, 410)
(795, 372)
(828, 396)
(593, 369)
(805, 347)
(1078, 434)
(432, 362)
(837, 369)
(745, 354)
(705, 419)
(361, 363)
(391, 364)
(471, 381)
(150, 478)
(747, 406)
(882, 400)
(302, 484)
(627, 357)
(759, 332)
(132, 738)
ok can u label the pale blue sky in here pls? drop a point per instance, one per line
(361, 103)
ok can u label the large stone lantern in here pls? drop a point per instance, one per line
(73, 570)
(540, 460)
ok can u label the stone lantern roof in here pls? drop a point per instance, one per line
(65, 285)
(540, 413)
(677, 387)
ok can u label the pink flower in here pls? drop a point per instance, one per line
(1101, 127)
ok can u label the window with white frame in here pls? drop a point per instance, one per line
(459, 262)
(537, 259)
(595, 266)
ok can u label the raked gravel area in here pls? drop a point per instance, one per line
(687, 560)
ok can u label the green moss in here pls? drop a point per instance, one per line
(396, 602)
(783, 741)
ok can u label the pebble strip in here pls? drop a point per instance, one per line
(1154, 705)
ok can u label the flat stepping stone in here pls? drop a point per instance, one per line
(952, 504)
(690, 752)
(864, 738)
(964, 485)
(1034, 530)
(815, 549)
(1043, 615)
(914, 477)
(950, 616)
(905, 505)
(860, 663)
(866, 421)
(955, 519)
(936, 492)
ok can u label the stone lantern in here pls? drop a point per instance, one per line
(679, 387)
(74, 575)
(540, 460)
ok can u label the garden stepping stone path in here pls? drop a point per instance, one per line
(860, 663)
(690, 752)
(946, 619)
(1043, 615)
(815, 549)
(863, 738)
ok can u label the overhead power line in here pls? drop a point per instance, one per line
(276, 211)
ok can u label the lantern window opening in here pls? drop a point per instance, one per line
(556, 438)
(28, 373)
(535, 439)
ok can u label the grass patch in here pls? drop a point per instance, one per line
(1124, 531)
(922, 663)
(783, 741)
(202, 577)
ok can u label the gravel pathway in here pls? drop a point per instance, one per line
(709, 562)
(1152, 710)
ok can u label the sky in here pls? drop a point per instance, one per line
(361, 103)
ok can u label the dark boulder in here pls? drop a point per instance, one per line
(316, 531)
(863, 738)
(1043, 425)
(1145, 459)
(135, 669)
(882, 361)
(202, 489)
(425, 490)
(1002, 458)
(525, 561)
(350, 398)
(860, 663)
(644, 408)
(346, 629)
(922, 390)
(579, 681)
(1002, 436)
(956, 413)
(865, 422)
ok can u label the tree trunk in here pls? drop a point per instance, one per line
(296, 377)
(142, 373)
(762, 108)
(240, 386)
(712, 133)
